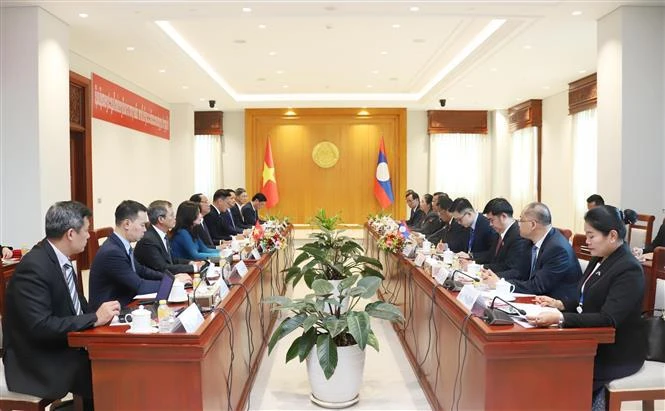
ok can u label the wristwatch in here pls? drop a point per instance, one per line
(560, 320)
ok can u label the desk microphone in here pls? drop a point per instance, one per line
(451, 284)
(204, 278)
(495, 316)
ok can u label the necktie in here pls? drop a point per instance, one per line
(168, 247)
(131, 258)
(231, 218)
(71, 284)
(471, 238)
(534, 257)
(499, 244)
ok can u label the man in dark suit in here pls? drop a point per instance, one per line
(554, 270)
(235, 216)
(240, 199)
(481, 235)
(114, 273)
(42, 305)
(451, 233)
(202, 229)
(509, 254)
(229, 226)
(432, 222)
(214, 219)
(416, 215)
(250, 211)
(154, 249)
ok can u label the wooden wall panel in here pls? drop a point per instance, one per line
(582, 94)
(347, 187)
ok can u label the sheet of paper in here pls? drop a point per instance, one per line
(241, 268)
(522, 322)
(534, 309)
(145, 296)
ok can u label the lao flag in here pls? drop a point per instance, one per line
(404, 230)
(383, 190)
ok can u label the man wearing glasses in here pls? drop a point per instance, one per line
(554, 270)
(481, 235)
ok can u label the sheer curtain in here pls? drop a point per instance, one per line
(460, 166)
(585, 142)
(523, 168)
(207, 164)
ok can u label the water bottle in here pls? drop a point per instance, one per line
(196, 281)
(163, 317)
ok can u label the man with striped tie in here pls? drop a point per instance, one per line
(43, 304)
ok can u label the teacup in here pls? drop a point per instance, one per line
(504, 288)
(473, 269)
(139, 320)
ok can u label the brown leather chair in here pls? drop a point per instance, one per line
(566, 233)
(580, 248)
(95, 237)
(644, 223)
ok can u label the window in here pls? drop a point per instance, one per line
(460, 165)
(585, 141)
(523, 167)
(207, 164)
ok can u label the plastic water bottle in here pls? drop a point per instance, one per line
(196, 281)
(163, 317)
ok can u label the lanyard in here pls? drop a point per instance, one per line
(596, 272)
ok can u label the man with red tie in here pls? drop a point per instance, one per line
(508, 256)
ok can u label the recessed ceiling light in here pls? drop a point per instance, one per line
(363, 112)
(130, 48)
(285, 86)
(383, 53)
(369, 86)
(493, 69)
(272, 53)
(290, 112)
(576, 13)
(375, 71)
(185, 87)
(246, 9)
(162, 70)
(469, 86)
(396, 26)
(582, 71)
(262, 26)
(527, 47)
(280, 72)
(414, 8)
(83, 15)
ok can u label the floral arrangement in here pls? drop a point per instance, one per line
(391, 241)
(268, 239)
(383, 223)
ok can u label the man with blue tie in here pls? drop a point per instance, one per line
(250, 211)
(114, 273)
(481, 235)
(43, 304)
(229, 226)
(554, 270)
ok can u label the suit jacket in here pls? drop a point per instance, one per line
(112, 276)
(557, 270)
(202, 232)
(512, 260)
(453, 234)
(150, 252)
(38, 315)
(417, 216)
(430, 224)
(229, 226)
(213, 222)
(483, 236)
(659, 241)
(612, 298)
(250, 215)
(238, 218)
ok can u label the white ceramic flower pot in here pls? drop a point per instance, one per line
(342, 389)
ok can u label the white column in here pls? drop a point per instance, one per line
(34, 118)
(631, 108)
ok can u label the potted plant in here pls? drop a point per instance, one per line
(333, 341)
(331, 256)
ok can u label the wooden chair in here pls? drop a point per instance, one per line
(580, 248)
(646, 385)
(93, 241)
(566, 232)
(640, 233)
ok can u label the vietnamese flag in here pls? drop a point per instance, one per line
(383, 190)
(269, 187)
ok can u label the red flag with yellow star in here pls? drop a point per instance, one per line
(269, 188)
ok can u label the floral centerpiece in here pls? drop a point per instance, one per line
(392, 241)
(383, 223)
(268, 239)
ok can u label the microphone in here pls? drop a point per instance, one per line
(204, 275)
(465, 274)
(452, 285)
(496, 316)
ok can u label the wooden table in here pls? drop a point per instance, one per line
(211, 369)
(499, 367)
(6, 272)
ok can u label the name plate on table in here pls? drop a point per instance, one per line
(255, 254)
(241, 268)
(440, 275)
(191, 318)
(409, 250)
(420, 260)
(468, 296)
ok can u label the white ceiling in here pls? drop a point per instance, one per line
(329, 54)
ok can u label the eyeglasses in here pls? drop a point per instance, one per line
(459, 219)
(522, 220)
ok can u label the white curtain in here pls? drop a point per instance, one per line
(207, 164)
(585, 143)
(523, 168)
(460, 166)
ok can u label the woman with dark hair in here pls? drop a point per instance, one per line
(610, 295)
(432, 222)
(185, 242)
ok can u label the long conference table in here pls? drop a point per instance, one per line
(210, 369)
(486, 367)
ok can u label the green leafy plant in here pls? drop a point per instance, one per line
(323, 323)
(323, 222)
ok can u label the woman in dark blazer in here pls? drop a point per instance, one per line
(609, 295)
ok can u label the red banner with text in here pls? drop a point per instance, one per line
(117, 105)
